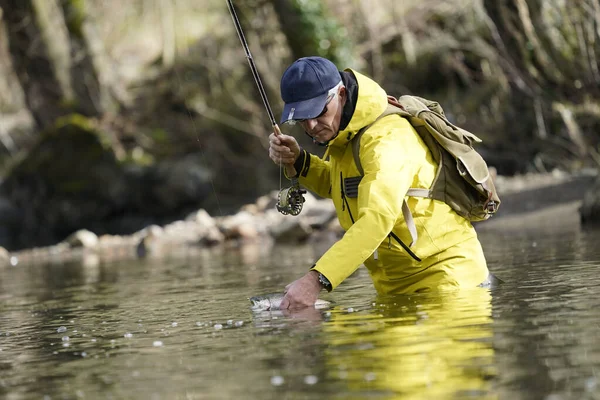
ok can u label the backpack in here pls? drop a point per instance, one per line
(462, 180)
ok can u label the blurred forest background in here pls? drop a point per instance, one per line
(115, 115)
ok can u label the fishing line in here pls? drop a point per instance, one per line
(289, 200)
(202, 153)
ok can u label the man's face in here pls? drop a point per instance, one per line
(325, 126)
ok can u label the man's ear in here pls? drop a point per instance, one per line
(344, 95)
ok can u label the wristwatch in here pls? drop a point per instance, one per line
(325, 282)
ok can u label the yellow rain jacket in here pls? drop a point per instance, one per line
(394, 159)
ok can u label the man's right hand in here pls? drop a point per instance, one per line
(283, 149)
(302, 292)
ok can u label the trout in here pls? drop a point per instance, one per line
(271, 302)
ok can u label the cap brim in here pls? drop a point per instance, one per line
(305, 109)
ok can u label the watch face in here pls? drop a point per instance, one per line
(324, 281)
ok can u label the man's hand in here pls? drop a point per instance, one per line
(302, 292)
(283, 149)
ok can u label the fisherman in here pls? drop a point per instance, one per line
(332, 106)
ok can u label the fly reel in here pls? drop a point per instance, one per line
(290, 200)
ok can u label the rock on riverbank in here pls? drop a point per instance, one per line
(260, 221)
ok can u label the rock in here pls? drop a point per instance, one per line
(292, 230)
(181, 181)
(202, 218)
(241, 225)
(266, 202)
(151, 242)
(590, 208)
(82, 238)
(4, 257)
(68, 179)
(318, 213)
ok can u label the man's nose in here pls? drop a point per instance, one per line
(311, 123)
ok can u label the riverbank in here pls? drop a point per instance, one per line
(528, 202)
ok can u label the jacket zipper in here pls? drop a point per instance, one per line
(392, 234)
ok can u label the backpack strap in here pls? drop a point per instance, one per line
(406, 213)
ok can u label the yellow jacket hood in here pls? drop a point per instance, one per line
(371, 102)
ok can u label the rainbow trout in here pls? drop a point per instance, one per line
(272, 301)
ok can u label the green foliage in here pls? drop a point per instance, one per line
(321, 33)
(74, 16)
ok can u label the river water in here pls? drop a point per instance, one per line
(181, 328)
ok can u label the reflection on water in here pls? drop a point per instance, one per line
(418, 346)
(182, 329)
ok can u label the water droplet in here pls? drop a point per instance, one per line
(239, 323)
(65, 339)
(350, 310)
(157, 343)
(277, 380)
(66, 344)
(370, 376)
(230, 322)
(218, 326)
(128, 335)
(174, 324)
(14, 261)
(591, 384)
(310, 379)
(83, 354)
(199, 324)
(94, 340)
(61, 329)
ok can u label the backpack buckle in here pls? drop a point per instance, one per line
(491, 207)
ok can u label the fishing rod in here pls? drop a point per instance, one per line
(289, 200)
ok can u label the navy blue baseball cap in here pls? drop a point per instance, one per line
(305, 86)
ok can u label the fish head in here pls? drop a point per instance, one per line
(260, 303)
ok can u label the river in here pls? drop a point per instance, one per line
(181, 328)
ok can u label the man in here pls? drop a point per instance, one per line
(332, 106)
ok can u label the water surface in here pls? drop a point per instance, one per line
(181, 328)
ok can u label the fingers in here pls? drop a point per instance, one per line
(282, 157)
(279, 148)
(285, 303)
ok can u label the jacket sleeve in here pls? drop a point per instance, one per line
(390, 156)
(314, 174)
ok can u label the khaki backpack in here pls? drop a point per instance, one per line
(462, 180)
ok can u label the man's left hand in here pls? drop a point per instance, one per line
(302, 292)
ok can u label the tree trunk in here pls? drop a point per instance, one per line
(53, 53)
(310, 30)
(550, 51)
(44, 95)
(90, 96)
